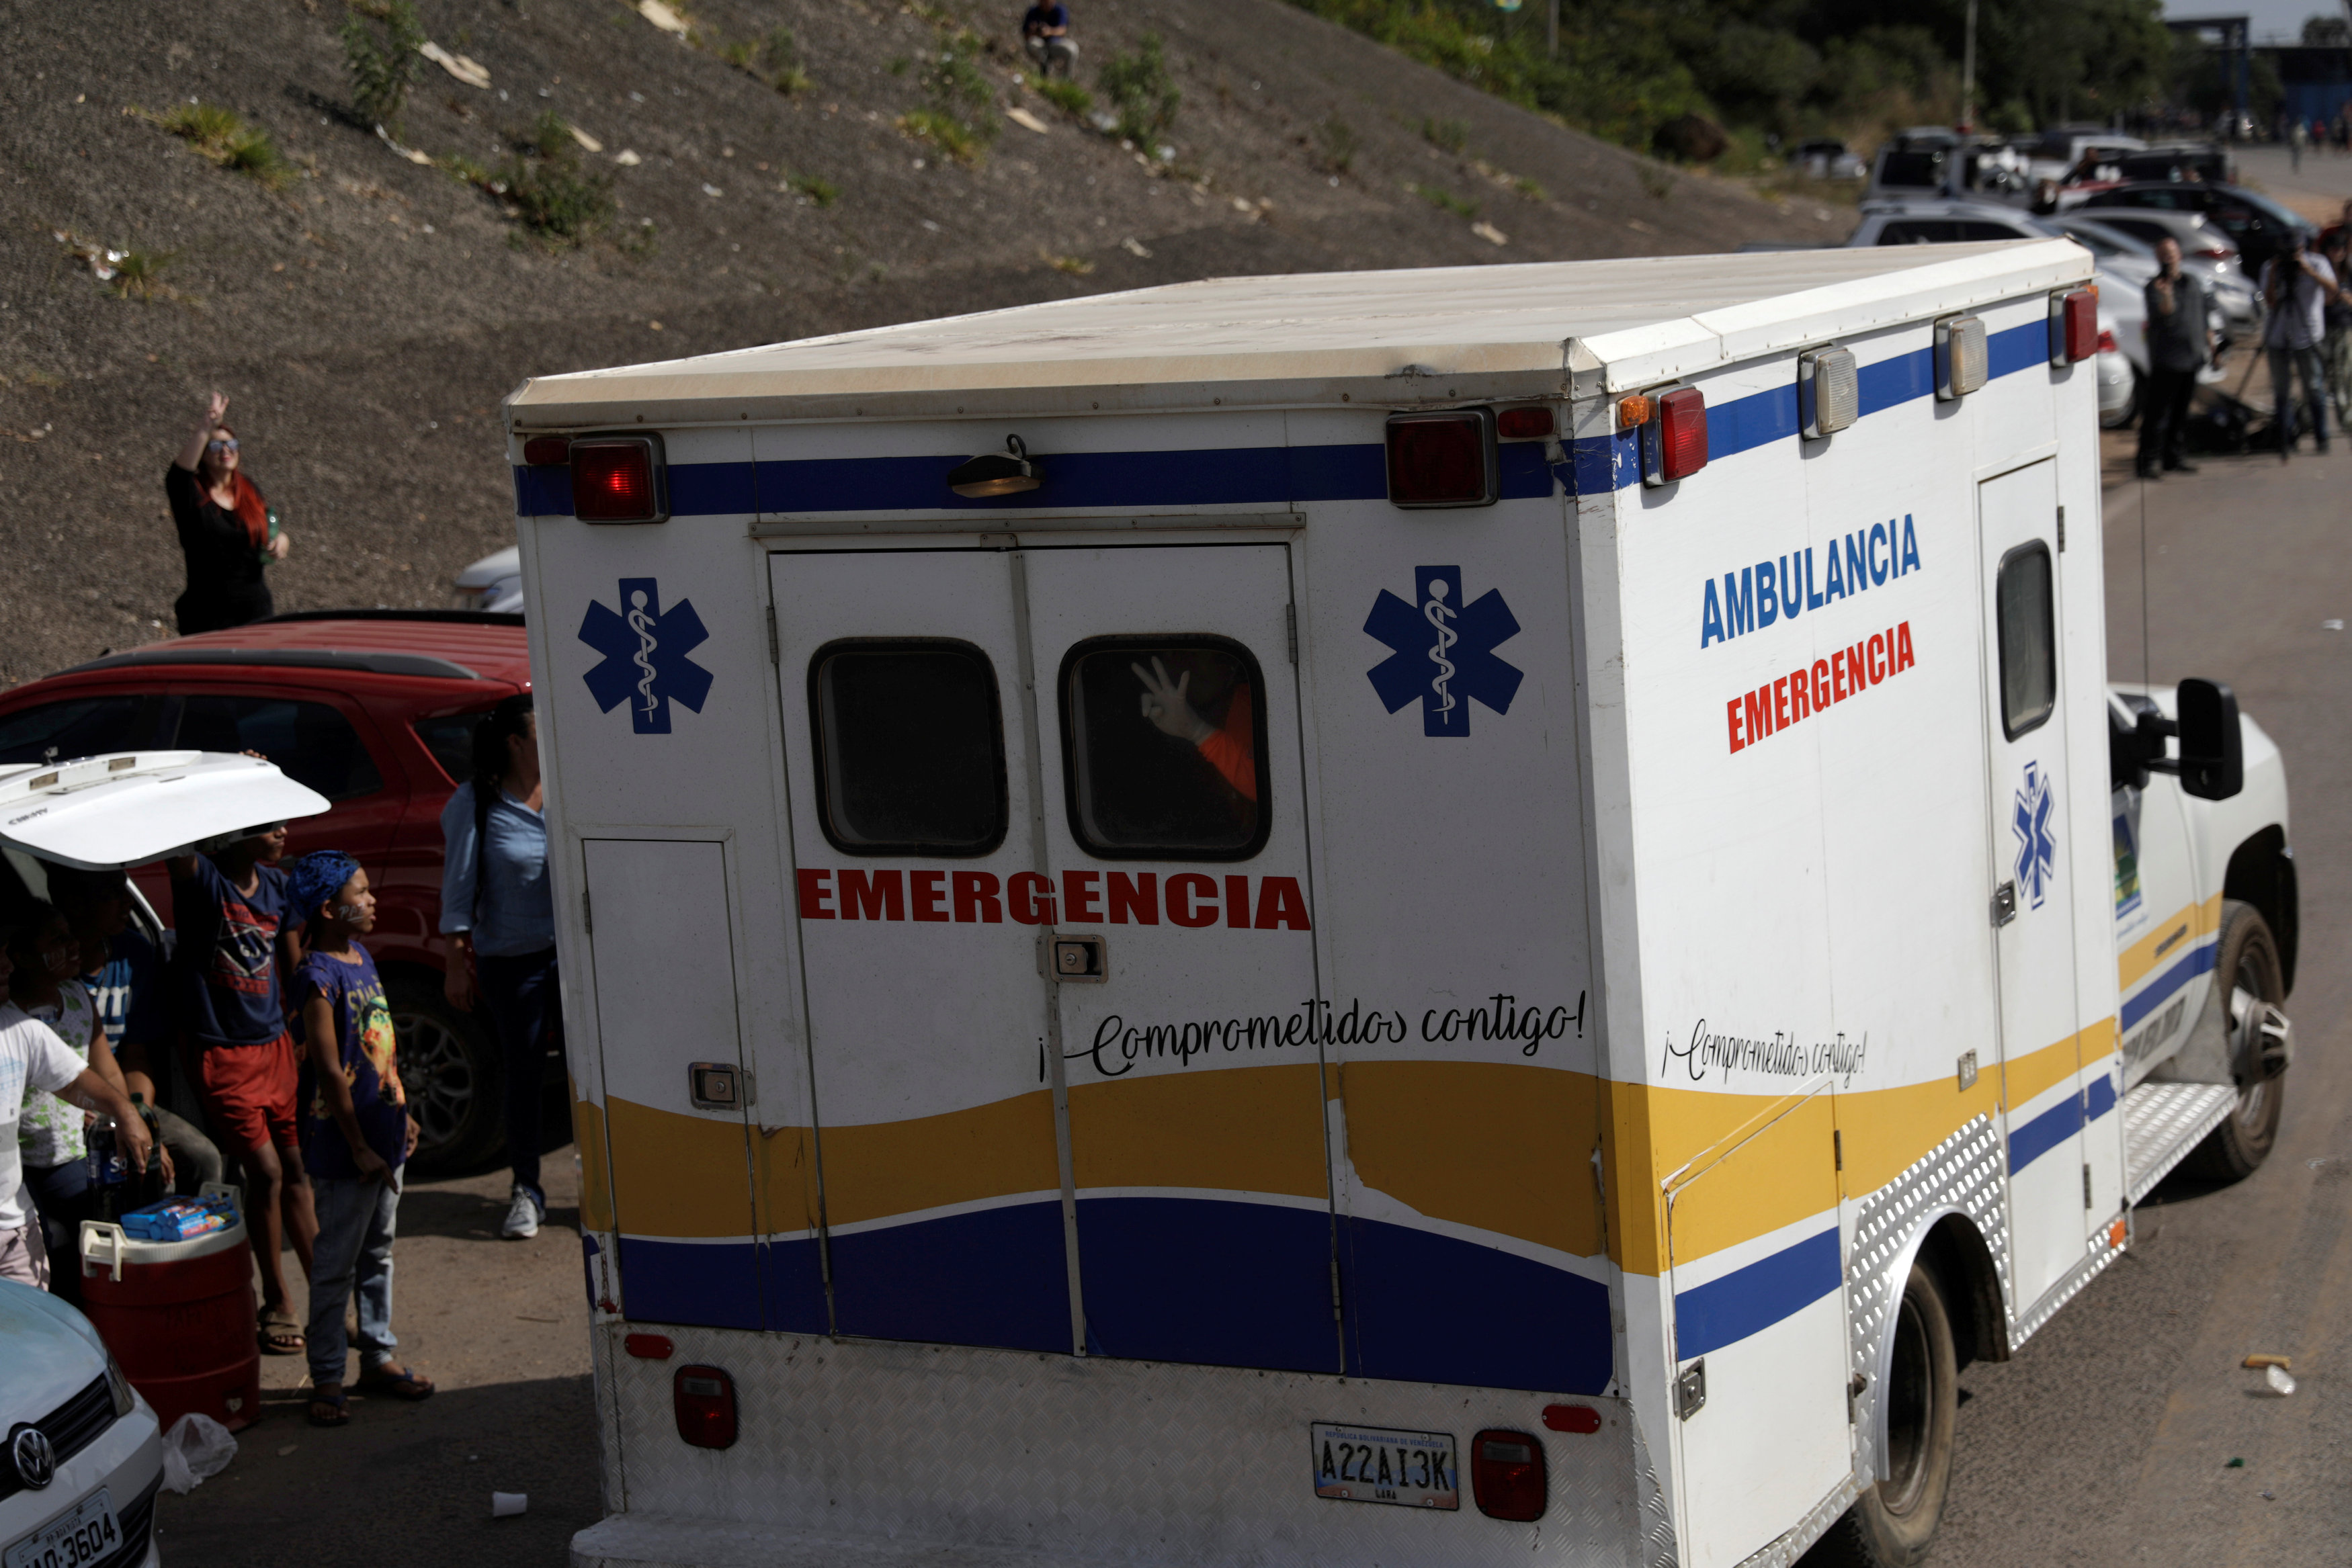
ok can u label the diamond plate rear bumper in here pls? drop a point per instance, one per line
(863, 1453)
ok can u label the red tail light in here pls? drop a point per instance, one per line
(1442, 459)
(1506, 1474)
(1674, 442)
(547, 451)
(2074, 327)
(2106, 342)
(618, 479)
(1572, 1417)
(704, 1398)
(1524, 423)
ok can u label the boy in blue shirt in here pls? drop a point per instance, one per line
(356, 1134)
(237, 928)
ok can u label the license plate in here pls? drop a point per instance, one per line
(1374, 1464)
(87, 1534)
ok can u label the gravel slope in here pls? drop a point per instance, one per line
(366, 319)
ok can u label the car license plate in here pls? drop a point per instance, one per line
(1373, 1464)
(87, 1534)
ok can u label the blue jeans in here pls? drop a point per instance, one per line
(526, 1009)
(2285, 364)
(353, 1250)
(64, 1196)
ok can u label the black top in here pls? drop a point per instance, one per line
(224, 583)
(2176, 340)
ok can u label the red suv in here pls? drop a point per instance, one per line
(375, 710)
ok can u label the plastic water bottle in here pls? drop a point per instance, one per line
(113, 1167)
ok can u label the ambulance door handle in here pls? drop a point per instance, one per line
(2004, 904)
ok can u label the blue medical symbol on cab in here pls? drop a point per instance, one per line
(2037, 841)
(645, 648)
(1444, 651)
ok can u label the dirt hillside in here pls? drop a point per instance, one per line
(366, 318)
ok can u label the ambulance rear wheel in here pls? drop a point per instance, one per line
(2246, 959)
(1894, 1522)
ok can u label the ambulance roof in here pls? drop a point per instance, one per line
(1384, 337)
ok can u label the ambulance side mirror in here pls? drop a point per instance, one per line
(2212, 764)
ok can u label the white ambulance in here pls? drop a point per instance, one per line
(1282, 922)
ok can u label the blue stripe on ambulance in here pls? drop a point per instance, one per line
(1751, 1300)
(1242, 476)
(2153, 993)
(1206, 1280)
(1426, 1308)
(991, 1276)
(1238, 475)
(2047, 1130)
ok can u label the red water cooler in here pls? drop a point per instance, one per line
(180, 1318)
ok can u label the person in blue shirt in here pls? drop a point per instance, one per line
(1046, 34)
(125, 977)
(356, 1136)
(499, 912)
(236, 927)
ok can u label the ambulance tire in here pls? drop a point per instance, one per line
(2246, 958)
(451, 1070)
(1894, 1524)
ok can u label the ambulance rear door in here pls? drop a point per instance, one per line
(900, 677)
(1168, 729)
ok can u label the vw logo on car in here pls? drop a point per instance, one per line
(36, 1461)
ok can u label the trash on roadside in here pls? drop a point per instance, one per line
(1022, 117)
(2235, 1465)
(662, 16)
(2268, 1496)
(627, 158)
(1489, 232)
(196, 1447)
(587, 142)
(2277, 1380)
(471, 72)
(1134, 246)
(410, 153)
(2331, 626)
(101, 261)
(2263, 1358)
(710, 190)
(510, 1504)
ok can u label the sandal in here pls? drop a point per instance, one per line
(399, 1381)
(279, 1333)
(330, 1406)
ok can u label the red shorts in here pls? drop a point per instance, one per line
(248, 1091)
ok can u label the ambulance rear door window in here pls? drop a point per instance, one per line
(910, 747)
(1164, 749)
(2029, 657)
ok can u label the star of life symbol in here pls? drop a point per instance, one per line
(2037, 845)
(1443, 651)
(645, 648)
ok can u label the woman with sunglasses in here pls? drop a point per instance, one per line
(227, 531)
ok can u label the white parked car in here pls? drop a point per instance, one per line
(83, 1457)
(493, 583)
(2125, 268)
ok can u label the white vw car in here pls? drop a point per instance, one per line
(81, 1458)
